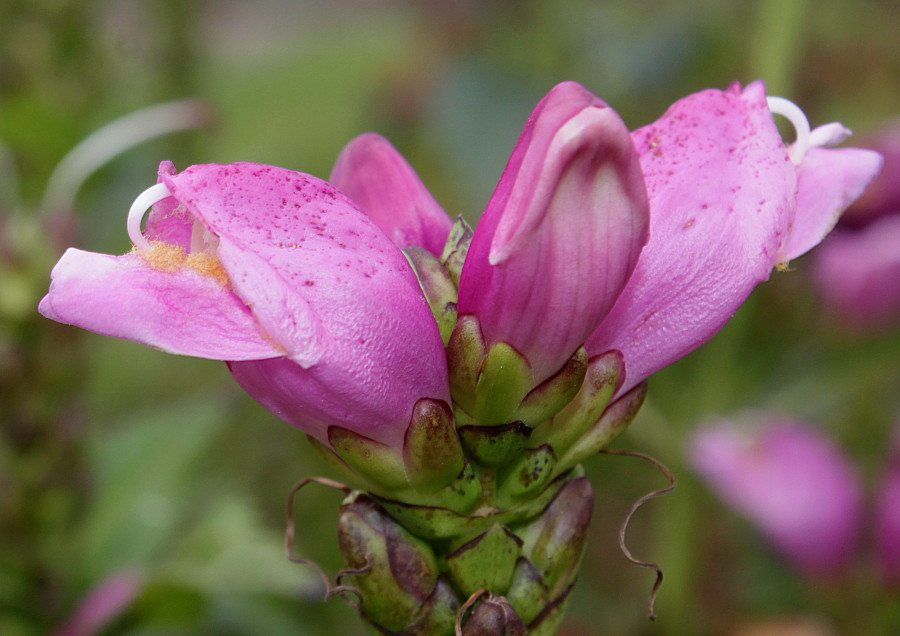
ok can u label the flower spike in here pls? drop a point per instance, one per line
(146, 199)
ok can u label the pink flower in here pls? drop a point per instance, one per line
(103, 604)
(887, 518)
(791, 481)
(557, 259)
(321, 319)
(857, 273)
(857, 270)
(727, 205)
(558, 239)
(318, 314)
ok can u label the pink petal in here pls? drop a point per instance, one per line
(319, 313)
(791, 481)
(857, 272)
(327, 285)
(828, 182)
(721, 194)
(297, 250)
(373, 397)
(562, 232)
(179, 311)
(371, 172)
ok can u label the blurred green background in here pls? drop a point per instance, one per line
(114, 457)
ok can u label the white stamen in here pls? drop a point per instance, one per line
(139, 208)
(787, 108)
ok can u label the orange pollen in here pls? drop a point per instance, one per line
(166, 257)
(208, 265)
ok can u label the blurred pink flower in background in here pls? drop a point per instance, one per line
(887, 517)
(791, 481)
(857, 270)
(103, 603)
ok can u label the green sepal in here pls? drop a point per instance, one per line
(455, 249)
(430, 523)
(438, 615)
(337, 464)
(432, 452)
(614, 420)
(551, 617)
(461, 495)
(493, 616)
(600, 381)
(555, 542)
(466, 352)
(485, 562)
(398, 571)
(374, 461)
(494, 445)
(504, 380)
(438, 287)
(527, 476)
(548, 398)
(527, 591)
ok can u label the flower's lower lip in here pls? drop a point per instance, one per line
(144, 201)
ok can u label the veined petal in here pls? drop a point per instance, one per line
(172, 307)
(828, 182)
(561, 233)
(380, 181)
(721, 191)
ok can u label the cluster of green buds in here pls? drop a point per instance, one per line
(479, 523)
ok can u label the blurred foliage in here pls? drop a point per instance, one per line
(116, 457)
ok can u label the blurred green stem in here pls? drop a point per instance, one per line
(777, 47)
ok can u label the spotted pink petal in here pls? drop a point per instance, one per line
(371, 172)
(721, 191)
(294, 278)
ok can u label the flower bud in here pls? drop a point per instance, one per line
(397, 572)
(555, 542)
(492, 616)
(371, 172)
(561, 233)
